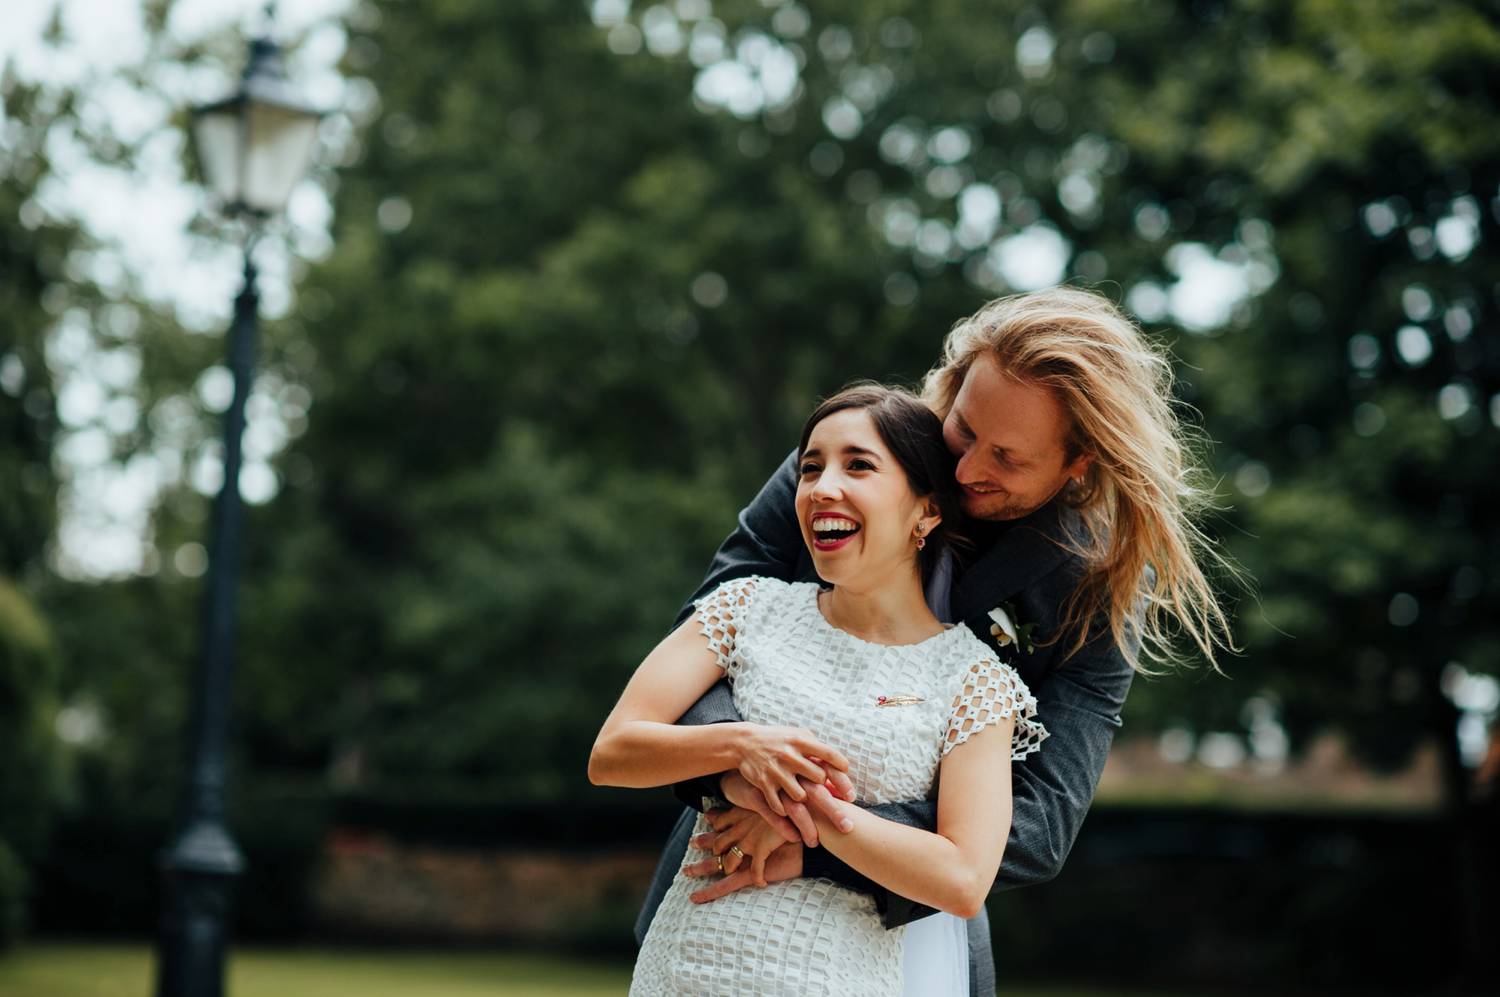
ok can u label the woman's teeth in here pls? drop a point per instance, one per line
(833, 528)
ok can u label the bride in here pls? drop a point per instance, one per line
(858, 681)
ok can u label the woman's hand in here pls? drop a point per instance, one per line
(740, 836)
(799, 818)
(772, 759)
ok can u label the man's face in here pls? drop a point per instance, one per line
(1010, 438)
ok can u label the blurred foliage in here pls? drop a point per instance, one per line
(581, 297)
(1349, 399)
(32, 271)
(525, 442)
(548, 268)
(29, 754)
(31, 260)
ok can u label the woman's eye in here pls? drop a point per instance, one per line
(809, 468)
(860, 464)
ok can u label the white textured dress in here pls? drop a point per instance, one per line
(789, 666)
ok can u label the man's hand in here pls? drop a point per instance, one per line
(798, 820)
(739, 837)
(737, 790)
(782, 864)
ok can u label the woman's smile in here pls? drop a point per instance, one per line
(832, 530)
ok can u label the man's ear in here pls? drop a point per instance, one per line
(1080, 466)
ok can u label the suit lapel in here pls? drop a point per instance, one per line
(1027, 551)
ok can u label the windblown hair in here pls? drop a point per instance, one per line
(1141, 498)
(914, 435)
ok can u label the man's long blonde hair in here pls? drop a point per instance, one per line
(1141, 497)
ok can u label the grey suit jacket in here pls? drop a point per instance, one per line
(1078, 699)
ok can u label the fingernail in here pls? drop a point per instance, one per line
(846, 826)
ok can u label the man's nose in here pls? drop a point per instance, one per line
(968, 468)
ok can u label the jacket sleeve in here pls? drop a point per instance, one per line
(1079, 701)
(766, 542)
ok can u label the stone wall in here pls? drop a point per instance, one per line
(372, 884)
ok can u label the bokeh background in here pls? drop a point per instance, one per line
(563, 285)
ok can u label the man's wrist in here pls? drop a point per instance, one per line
(722, 790)
(696, 791)
(818, 863)
(714, 796)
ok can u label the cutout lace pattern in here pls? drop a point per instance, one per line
(991, 693)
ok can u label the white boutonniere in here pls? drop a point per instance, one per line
(1007, 632)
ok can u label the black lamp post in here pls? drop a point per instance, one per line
(254, 146)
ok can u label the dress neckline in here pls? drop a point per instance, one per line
(817, 611)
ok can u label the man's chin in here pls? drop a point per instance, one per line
(985, 506)
(993, 508)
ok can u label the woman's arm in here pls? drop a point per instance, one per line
(638, 746)
(766, 541)
(953, 868)
(641, 746)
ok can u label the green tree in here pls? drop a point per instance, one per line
(1349, 396)
(574, 294)
(590, 272)
(32, 250)
(561, 339)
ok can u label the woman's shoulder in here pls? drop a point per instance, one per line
(756, 590)
(968, 654)
(966, 647)
(762, 584)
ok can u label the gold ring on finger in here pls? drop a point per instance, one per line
(736, 852)
(720, 860)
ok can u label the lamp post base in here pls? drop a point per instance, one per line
(198, 876)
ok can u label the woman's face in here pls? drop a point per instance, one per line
(857, 511)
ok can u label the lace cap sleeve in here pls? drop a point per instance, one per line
(722, 616)
(990, 693)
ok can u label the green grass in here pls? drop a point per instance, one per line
(92, 970)
(128, 971)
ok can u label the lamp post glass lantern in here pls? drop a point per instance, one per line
(253, 146)
(257, 143)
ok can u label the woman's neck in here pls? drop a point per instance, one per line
(890, 613)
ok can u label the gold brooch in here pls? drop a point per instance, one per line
(898, 700)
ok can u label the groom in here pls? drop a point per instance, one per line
(1071, 466)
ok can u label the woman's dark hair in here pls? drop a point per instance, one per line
(914, 435)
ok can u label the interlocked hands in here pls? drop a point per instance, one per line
(779, 762)
(757, 844)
